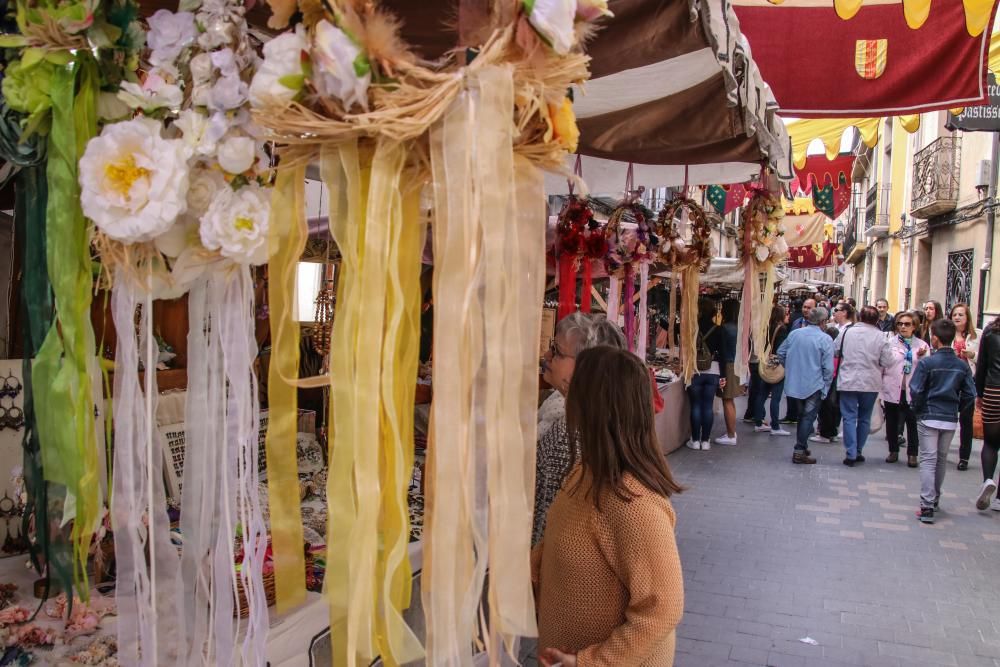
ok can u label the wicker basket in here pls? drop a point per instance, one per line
(244, 608)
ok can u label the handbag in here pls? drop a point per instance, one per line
(977, 424)
(771, 371)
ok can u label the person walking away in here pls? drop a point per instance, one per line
(807, 355)
(988, 402)
(731, 388)
(610, 531)
(941, 387)
(886, 322)
(829, 409)
(800, 322)
(907, 351)
(701, 391)
(777, 332)
(966, 346)
(574, 333)
(863, 351)
(932, 312)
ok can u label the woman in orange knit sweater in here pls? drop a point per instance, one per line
(608, 575)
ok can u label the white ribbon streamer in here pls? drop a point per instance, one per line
(614, 299)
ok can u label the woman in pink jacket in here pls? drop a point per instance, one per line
(907, 351)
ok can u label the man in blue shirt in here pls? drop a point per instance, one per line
(807, 355)
(791, 405)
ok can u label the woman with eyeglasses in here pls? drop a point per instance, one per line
(907, 350)
(574, 333)
(966, 346)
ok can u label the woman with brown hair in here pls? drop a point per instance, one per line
(966, 346)
(608, 576)
(932, 313)
(777, 332)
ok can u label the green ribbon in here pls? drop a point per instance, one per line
(64, 405)
(50, 551)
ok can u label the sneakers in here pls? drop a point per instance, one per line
(819, 438)
(926, 514)
(747, 420)
(693, 444)
(789, 420)
(850, 462)
(859, 458)
(802, 458)
(729, 441)
(779, 431)
(705, 444)
(995, 505)
(761, 429)
(986, 492)
(963, 465)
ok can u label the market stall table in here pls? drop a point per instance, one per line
(673, 425)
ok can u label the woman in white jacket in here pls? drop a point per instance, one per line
(864, 351)
(966, 346)
(907, 349)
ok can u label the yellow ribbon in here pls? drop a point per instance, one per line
(286, 241)
(373, 370)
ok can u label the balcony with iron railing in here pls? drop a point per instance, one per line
(854, 243)
(877, 210)
(936, 171)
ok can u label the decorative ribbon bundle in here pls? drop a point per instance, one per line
(686, 259)
(762, 248)
(374, 125)
(580, 241)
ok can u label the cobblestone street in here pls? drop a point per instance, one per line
(774, 553)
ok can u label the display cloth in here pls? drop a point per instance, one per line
(863, 58)
(813, 256)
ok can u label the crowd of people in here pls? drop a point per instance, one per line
(605, 565)
(923, 374)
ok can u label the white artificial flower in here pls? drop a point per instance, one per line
(280, 77)
(762, 253)
(194, 127)
(169, 34)
(218, 124)
(201, 69)
(237, 154)
(206, 184)
(553, 19)
(780, 247)
(236, 224)
(228, 92)
(335, 57)
(134, 182)
(224, 60)
(217, 30)
(154, 93)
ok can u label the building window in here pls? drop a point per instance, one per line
(959, 286)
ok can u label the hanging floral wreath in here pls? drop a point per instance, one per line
(580, 241)
(628, 246)
(762, 239)
(674, 250)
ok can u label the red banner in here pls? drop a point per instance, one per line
(812, 256)
(819, 65)
(819, 171)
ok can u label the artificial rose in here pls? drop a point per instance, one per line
(154, 93)
(134, 182)
(228, 92)
(206, 184)
(780, 247)
(340, 69)
(762, 253)
(553, 20)
(225, 61)
(218, 30)
(169, 34)
(237, 154)
(590, 10)
(281, 76)
(236, 224)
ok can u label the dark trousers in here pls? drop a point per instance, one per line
(965, 433)
(898, 415)
(701, 394)
(792, 410)
(808, 407)
(829, 414)
(774, 392)
(755, 386)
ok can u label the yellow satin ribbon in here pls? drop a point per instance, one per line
(373, 370)
(286, 241)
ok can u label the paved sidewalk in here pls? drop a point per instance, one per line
(775, 552)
